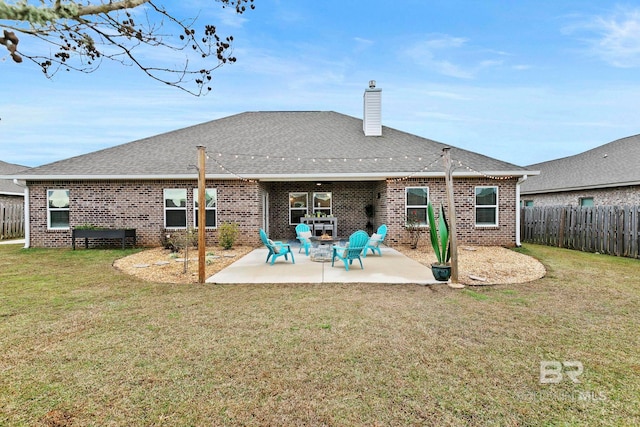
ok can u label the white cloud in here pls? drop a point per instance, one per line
(447, 55)
(447, 95)
(445, 42)
(362, 44)
(362, 41)
(614, 38)
(439, 116)
(427, 54)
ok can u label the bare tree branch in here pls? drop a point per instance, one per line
(85, 34)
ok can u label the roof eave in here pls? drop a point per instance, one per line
(382, 176)
(370, 176)
(582, 188)
(118, 177)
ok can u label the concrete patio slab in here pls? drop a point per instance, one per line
(392, 267)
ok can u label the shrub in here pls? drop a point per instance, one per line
(177, 240)
(415, 229)
(228, 233)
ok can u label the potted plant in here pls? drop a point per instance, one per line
(440, 242)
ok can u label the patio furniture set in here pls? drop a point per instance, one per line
(323, 248)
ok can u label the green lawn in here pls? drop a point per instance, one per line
(83, 344)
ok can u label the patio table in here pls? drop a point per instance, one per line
(322, 248)
(322, 224)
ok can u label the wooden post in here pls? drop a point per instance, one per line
(448, 179)
(563, 215)
(202, 218)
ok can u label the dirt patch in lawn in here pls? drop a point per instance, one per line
(478, 265)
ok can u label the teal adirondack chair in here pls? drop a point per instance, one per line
(375, 240)
(276, 249)
(303, 233)
(347, 254)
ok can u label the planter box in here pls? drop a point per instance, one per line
(102, 233)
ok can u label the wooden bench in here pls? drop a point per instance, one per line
(102, 233)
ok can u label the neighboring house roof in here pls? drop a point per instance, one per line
(275, 146)
(615, 164)
(7, 186)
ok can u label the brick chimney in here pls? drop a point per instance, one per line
(372, 119)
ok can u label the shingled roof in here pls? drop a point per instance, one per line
(7, 186)
(283, 145)
(615, 164)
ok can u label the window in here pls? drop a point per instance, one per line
(486, 206)
(416, 200)
(210, 207)
(175, 208)
(322, 203)
(58, 209)
(586, 201)
(297, 207)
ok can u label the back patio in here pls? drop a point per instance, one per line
(392, 268)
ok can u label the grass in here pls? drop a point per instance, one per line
(83, 344)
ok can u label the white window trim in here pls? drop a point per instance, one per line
(195, 208)
(50, 209)
(407, 206)
(165, 208)
(321, 209)
(496, 207)
(305, 209)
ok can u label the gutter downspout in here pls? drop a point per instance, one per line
(520, 181)
(27, 223)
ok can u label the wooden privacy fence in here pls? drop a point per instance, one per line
(612, 230)
(11, 220)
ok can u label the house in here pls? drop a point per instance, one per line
(606, 175)
(10, 191)
(268, 170)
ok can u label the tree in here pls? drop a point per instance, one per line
(84, 34)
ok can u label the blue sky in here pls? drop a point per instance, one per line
(530, 82)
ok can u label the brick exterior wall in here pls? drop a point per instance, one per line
(388, 197)
(619, 196)
(464, 191)
(139, 205)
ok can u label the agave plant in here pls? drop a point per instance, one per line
(439, 241)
